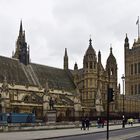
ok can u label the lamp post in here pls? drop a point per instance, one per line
(123, 117)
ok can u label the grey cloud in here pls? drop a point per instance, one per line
(53, 25)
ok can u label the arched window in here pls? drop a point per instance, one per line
(91, 66)
(131, 69)
(94, 65)
(112, 71)
(26, 98)
(86, 64)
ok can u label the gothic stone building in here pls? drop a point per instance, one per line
(28, 87)
(132, 75)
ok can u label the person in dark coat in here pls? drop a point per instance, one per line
(102, 122)
(99, 122)
(83, 124)
(87, 123)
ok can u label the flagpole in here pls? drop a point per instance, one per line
(138, 28)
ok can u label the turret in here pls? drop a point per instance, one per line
(111, 66)
(90, 60)
(66, 60)
(126, 42)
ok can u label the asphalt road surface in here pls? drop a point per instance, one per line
(134, 138)
(126, 134)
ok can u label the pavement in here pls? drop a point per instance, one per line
(56, 133)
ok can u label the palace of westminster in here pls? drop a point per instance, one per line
(27, 87)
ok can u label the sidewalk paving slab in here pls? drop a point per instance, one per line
(46, 134)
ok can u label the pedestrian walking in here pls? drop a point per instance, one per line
(87, 123)
(99, 122)
(131, 121)
(102, 122)
(83, 124)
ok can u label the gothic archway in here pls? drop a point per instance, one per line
(68, 114)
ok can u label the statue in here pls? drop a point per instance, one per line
(98, 102)
(51, 103)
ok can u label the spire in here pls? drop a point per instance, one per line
(24, 35)
(22, 52)
(28, 54)
(126, 42)
(66, 52)
(90, 42)
(126, 38)
(65, 60)
(20, 30)
(110, 48)
(99, 57)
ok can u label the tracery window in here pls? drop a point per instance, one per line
(131, 69)
(26, 98)
(91, 66)
(94, 65)
(135, 68)
(132, 90)
(135, 89)
(112, 71)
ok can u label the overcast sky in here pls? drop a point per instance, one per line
(53, 25)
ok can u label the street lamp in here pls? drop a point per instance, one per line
(123, 117)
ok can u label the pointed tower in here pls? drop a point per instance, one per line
(111, 71)
(111, 67)
(90, 60)
(127, 54)
(21, 52)
(20, 30)
(126, 42)
(89, 76)
(66, 67)
(100, 66)
(99, 93)
(75, 75)
(99, 57)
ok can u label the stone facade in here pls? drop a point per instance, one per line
(132, 75)
(93, 79)
(26, 87)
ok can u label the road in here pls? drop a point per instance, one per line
(134, 138)
(125, 134)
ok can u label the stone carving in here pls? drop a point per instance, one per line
(51, 103)
(98, 101)
(77, 100)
